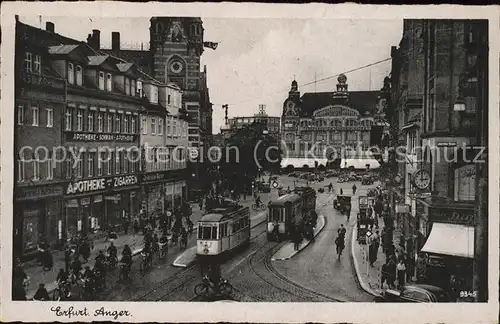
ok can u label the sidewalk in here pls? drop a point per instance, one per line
(287, 251)
(369, 277)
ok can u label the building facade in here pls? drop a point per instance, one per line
(39, 105)
(323, 124)
(271, 124)
(449, 97)
(164, 145)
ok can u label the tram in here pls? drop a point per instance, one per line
(223, 230)
(289, 209)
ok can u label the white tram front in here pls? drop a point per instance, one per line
(223, 230)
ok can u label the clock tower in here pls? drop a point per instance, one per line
(176, 45)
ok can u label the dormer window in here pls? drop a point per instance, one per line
(132, 88)
(71, 73)
(101, 80)
(127, 86)
(109, 82)
(79, 75)
(168, 99)
(139, 89)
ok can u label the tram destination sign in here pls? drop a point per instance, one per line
(99, 137)
(100, 184)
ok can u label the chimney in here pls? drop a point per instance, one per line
(49, 26)
(96, 39)
(115, 41)
(17, 17)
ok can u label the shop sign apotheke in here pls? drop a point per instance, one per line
(84, 186)
(96, 137)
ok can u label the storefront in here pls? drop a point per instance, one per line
(37, 213)
(91, 206)
(449, 247)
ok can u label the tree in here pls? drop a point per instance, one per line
(245, 155)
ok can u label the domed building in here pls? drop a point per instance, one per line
(328, 126)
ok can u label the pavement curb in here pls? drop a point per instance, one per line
(307, 244)
(360, 280)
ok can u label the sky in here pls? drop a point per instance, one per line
(257, 59)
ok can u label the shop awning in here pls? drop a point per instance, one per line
(450, 239)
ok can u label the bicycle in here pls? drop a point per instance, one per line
(124, 272)
(207, 289)
(62, 292)
(146, 262)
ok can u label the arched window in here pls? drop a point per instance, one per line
(159, 28)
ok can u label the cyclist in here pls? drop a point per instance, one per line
(155, 246)
(100, 262)
(163, 243)
(112, 251)
(183, 237)
(258, 201)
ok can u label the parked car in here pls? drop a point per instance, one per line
(415, 293)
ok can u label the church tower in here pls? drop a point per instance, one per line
(176, 45)
(291, 106)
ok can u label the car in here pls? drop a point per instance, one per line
(415, 293)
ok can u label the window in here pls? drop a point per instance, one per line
(49, 168)
(69, 168)
(127, 86)
(101, 80)
(79, 167)
(144, 125)
(20, 170)
(71, 73)
(108, 82)
(132, 88)
(90, 121)
(412, 142)
(107, 163)
(79, 75)
(100, 122)
(90, 164)
(35, 116)
(110, 123)
(126, 155)
(117, 162)
(36, 170)
(160, 126)
(125, 124)
(132, 124)
(153, 126)
(168, 127)
(20, 115)
(100, 164)
(465, 181)
(38, 64)
(79, 120)
(139, 88)
(118, 123)
(50, 117)
(174, 131)
(168, 99)
(28, 60)
(133, 161)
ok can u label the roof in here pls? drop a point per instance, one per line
(124, 67)
(301, 162)
(212, 217)
(142, 59)
(42, 37)
(291, 197)
(362, 101)
(62, 49)
(97, 60)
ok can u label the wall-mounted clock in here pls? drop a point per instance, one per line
(176, 66)
(290, 108)
(422, 179)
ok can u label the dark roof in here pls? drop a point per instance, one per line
(362, 101)
(142, 59)
(291, 197)
(62, 49)
(124, 67)
(42, 37)
(212, 217)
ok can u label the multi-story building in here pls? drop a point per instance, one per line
(164, 145)
(39, 105)
(454, 102)
(176, 45)
(271, 124)
(319, 126)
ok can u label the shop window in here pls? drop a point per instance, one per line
(90, 172)
(118, 123)
(117, 162)
(79, 120)
(110, 123)
(132, 125)
(100, 122)
(144, 125)
(125, 124)
(79, 167)
(465, 183)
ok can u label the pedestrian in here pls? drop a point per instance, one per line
(354, 189)
(136, 226)
(384, 275)
(348, 212)
(391, 272)
(341, 191)
(401, 271)
(125, 226)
